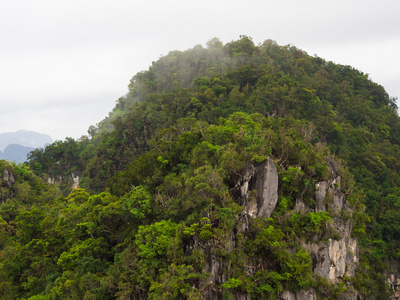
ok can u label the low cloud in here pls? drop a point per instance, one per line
(65, 63)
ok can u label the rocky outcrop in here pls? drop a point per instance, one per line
(6, 183)
(328, 195)
(338, 257)
(218, 270)
(333, 259)
(54, 181)
(73, 181)
(301, 295)
(259, 189)
(393, 276)
(8, 178)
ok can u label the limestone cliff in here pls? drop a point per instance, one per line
(333, 259)
(263, 180)
(6, 183)
(393, 276)
(71, 181)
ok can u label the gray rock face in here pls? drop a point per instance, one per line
(250, 204)
(338, 196)
(257, 192)
(393, 276)
(320, 194)
(8, 178)
(328, 195)
(74, 181)
(218, 270)
(335, 258)
(301, 295)
(332, 259)
(259, 189)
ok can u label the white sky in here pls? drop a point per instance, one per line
(63, 64)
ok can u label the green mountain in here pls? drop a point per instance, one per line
(233, 171)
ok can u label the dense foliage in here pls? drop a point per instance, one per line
(157, 177)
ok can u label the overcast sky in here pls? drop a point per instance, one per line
(63, 64)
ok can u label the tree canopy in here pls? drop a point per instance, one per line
(157, 178)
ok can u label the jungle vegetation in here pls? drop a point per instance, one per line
(156, 180)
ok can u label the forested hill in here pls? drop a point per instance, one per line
(170, 205)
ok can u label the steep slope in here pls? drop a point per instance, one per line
(181, 205)
(215, 211)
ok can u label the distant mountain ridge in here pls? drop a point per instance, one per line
(24, 138)
(15, 146)
(16, 153)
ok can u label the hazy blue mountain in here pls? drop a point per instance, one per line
(16, 153)
(24, 138)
